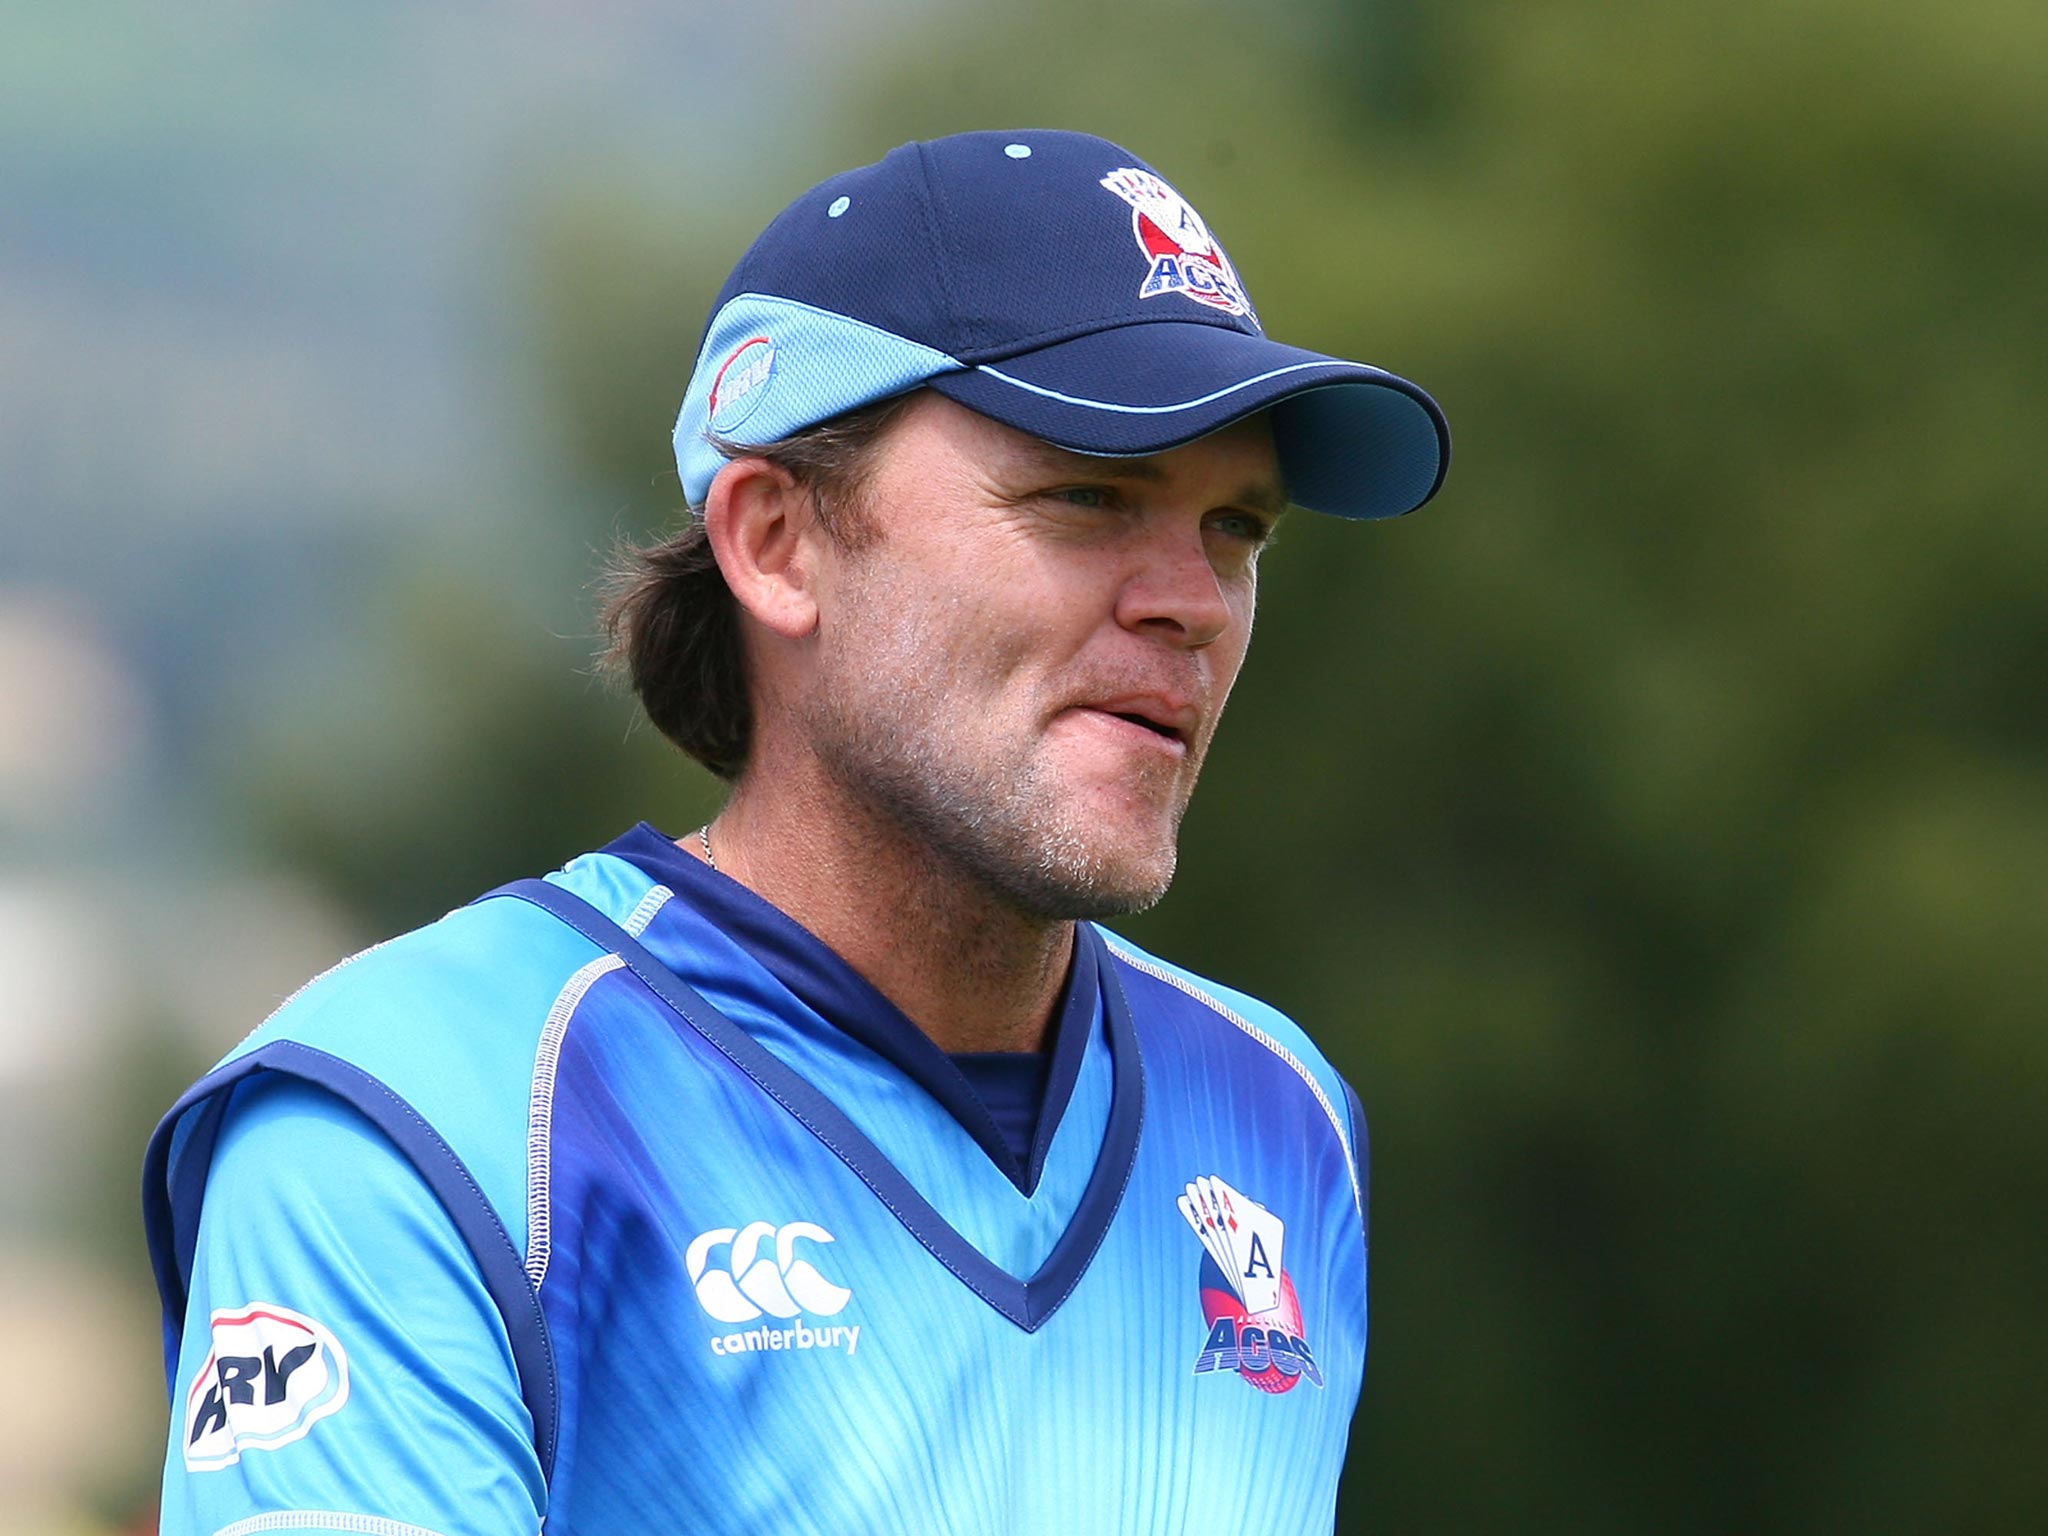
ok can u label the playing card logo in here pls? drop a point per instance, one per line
(1183, 256)
(1248, 1298)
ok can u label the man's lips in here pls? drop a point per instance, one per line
(1167, 720)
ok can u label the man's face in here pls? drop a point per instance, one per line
(1023, 668)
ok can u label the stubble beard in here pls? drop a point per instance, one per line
(1014, 833)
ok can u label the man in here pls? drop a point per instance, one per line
(826, 1168)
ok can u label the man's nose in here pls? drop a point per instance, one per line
(1174, 592)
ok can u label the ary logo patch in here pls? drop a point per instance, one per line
(1182, 256)
(1248, 1299)
(272, 1375)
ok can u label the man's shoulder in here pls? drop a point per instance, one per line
(467, 979)
(1226, 1007)
(473, 981)
(434, 1037)
(1238, 1009)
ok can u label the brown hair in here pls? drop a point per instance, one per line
(671, 624)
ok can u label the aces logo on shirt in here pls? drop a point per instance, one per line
(1248, 1299)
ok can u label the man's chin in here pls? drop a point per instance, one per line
(1079, 879)
(1103, 905)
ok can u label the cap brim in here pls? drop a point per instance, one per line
(1353, 440)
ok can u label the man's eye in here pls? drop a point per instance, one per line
(1246, 526)
(1083, 495)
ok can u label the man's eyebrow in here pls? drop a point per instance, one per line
(1039, 455)
(1259, 495)
(1265, 496)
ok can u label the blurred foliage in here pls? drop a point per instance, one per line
(1655, 829)
(480, 747)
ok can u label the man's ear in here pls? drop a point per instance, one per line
(763, 530)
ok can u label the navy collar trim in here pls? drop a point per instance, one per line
(844, 998)
(1026, 1302)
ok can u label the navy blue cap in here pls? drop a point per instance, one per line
(1053, 282)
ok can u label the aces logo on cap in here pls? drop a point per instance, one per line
(1185, 258)
(1248, 1299)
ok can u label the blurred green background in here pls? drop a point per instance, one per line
(1655, 830)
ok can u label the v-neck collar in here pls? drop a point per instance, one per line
(1027, 1302)
(847, 1000)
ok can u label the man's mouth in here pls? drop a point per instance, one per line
(1151, 725)
(1166, 719)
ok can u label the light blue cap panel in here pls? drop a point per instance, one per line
(770, 367)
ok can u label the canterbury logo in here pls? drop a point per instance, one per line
(761, 1273)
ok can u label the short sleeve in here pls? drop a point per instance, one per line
(342, 1366)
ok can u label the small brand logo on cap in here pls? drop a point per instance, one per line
(1184, 257)
(741, 382)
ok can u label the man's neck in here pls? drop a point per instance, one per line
(973, 973)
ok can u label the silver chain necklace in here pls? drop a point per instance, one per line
(704, 842)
